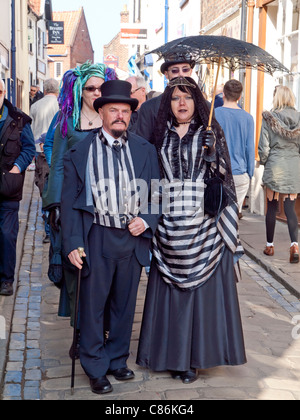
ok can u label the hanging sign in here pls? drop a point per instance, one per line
(56, 32)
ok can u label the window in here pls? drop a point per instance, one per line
(58, 69)
(40, 46)
(30, 36)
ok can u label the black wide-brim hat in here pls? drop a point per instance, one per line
(116, 91)
(177, 58)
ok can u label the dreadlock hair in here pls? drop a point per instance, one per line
(70, 96)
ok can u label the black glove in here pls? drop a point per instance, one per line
(209, 142)
(54, 218)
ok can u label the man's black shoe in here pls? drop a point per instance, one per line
(101, 385)
(6, 288)
(122, 374)
(189, 376)
(175, 374)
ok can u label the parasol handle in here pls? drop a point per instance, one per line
(213, 98)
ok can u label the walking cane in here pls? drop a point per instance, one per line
(80, 251)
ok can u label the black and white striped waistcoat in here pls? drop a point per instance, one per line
(112, 179)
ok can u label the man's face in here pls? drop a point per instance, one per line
(178, 70)
(115, 118)
(33, 91)
(138, 93)
(2, 93)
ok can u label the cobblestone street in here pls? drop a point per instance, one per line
(39, 368)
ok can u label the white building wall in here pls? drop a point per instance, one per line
(5, 34)
(183, 21)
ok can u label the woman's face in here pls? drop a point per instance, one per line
(91, 91)
(182, 105)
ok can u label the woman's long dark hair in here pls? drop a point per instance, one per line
(201, 115)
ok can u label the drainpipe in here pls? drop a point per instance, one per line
(13, 52)
(243, 38)
(166, 27)
(251, 6)
(260, 76)
(166, 20)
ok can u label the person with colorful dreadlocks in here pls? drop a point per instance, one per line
(76, 118)
(191, 316)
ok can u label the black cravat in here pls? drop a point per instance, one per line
(116, 145)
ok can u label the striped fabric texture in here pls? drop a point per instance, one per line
(189, 245)
(113, 183)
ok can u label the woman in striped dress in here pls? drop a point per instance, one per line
(191, 317)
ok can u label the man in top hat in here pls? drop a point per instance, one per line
(105, 209)
(175, 65)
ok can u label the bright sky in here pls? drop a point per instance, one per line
(103, 19)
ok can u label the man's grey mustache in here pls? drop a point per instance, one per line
(119, 121)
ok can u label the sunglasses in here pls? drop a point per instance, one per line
(177, 70)
(92, 88)
(1, 91)
(135, 90)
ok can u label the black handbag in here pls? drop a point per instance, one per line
(215, 196)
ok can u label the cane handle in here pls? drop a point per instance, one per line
(80, 251)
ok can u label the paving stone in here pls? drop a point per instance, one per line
(12, 390)
(15, 356)
(13, 377)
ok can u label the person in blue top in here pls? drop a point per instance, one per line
(17, 149)
(238, 126)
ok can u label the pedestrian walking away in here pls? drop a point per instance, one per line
(104, 211)
(191, 316)
(43, 111)
(17, 150)
(238, 126)
(279, 152)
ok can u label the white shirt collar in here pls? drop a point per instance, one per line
(110, 139)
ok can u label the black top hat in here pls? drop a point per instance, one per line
(176, 58)
(116, 91)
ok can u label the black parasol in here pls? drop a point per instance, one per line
(232, 53)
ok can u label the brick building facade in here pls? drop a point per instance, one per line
(115, 54)
(77, 47)
(213, 9)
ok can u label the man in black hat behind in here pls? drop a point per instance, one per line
(105, 209)
(175, 65)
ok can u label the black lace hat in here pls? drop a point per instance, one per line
(176, 58)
